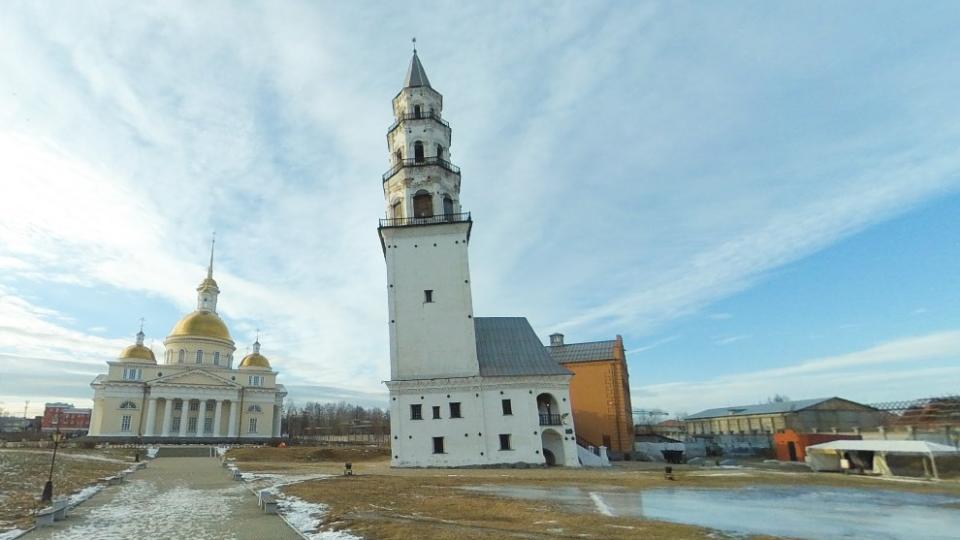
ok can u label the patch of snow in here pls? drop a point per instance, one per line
(306, 517)
(152, 452)
(84, 494)
(11, 534)
(221, 450)
(601, 506)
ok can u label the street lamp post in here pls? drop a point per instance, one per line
(48, 487)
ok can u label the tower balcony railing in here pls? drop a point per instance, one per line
(417, 116)
(428, 220)
(421, 162)
(551, 420)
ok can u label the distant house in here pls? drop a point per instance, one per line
(599, 392)
(65, 418)
(673, 429)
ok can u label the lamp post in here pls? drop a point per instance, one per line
(48, 487)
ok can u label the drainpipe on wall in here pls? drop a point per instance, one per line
(143, 403)
(240, 415)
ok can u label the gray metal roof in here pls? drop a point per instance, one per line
(763, 408)
(583, 352)
(508, 346)
(416, 76)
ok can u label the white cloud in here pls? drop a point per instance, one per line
(900, 369)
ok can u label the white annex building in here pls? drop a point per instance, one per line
(196, 394)
(464, 390)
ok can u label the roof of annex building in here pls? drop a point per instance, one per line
(763, 408)
(508, 346)
(590, 351)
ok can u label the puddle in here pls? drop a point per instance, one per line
(792, 511)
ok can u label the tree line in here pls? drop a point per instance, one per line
(318, 419)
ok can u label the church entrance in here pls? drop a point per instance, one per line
(552, 443)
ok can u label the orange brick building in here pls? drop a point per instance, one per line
(599, 392)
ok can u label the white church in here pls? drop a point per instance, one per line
(464, 390)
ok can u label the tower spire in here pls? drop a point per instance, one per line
(213, 243)
(140, 334)
(416, 75)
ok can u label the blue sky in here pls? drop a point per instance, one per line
(760, 198)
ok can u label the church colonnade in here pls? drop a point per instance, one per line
(215, 417)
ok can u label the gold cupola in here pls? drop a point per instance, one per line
(255, 360)
(204, 322)
(138, 352)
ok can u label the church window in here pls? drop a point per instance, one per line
(416, 111)
(254, 409)
(455, 409)
(505, 441)
(128, 405)
(256, 380)
(253, 426)
(447, 205)
(183, 354)
(125, 423)
(216, 358)
(428, 296)
(175, 424)
(178, 405)
(208, 424)
(440, 151)
(192, 424)
(422, 204)
(132, 374)
(436, 412)
(199, 356)
(416, 412)
(438, 445)
(507, 407)
(194, 405)
(418, 152)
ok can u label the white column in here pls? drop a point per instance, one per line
(151, 417)
(184, 416)
(232, 428)
(276, 420)
(217, 413)
(201, 417)
(167, 417)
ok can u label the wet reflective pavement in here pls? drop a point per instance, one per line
(813, 512)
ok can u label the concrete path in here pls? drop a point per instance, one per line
(171, 498)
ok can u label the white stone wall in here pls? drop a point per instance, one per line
(438, 338)
(474, 439)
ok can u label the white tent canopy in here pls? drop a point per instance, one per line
(831, 456)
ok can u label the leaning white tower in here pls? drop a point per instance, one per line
(425, 237)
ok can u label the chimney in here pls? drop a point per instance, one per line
(556, 339)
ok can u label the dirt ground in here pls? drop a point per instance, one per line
(24, 471)
(383, 503)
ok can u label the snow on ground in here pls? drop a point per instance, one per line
(152, 452)
(124, 516)
(221, 450)
(67, 455)
(306, 517)
(84, 494)
(10, 535)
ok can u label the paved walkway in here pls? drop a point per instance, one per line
(171, 498)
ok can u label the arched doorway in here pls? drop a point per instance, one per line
(418, 152)
(447, 205)
(552, 443)
(422, 204)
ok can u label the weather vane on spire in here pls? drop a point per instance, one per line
(414, 45)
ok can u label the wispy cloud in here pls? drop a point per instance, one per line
(903, 368)
(731, 339)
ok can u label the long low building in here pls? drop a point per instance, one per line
(805, 416)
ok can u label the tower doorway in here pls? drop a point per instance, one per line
(422, 204)
(552, 445)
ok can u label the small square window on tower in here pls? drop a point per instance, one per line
(428, 296)
(455, 409)
(507, 407)
(505, 441)
(436, 412)
(416, 412)
(438, 445)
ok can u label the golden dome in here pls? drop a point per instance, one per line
(136, 353)
(201, 324)
(255, 360)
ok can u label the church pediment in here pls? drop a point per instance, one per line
(194, 377)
